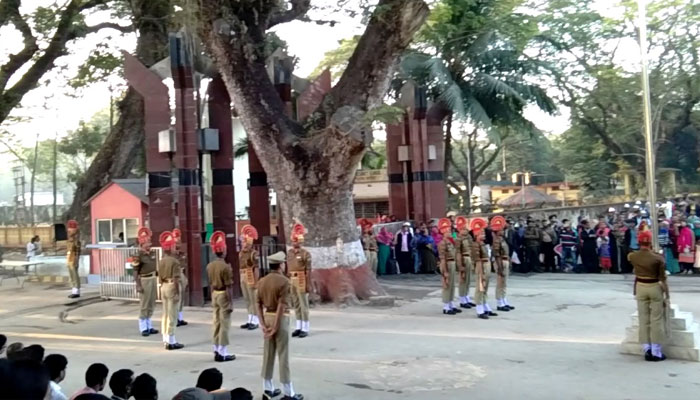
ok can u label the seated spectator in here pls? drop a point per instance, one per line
(210, 380)
(56, 365)
(193, 394)
(3, 342)
(144, 388)
(15, 351)
(34, 352)
(241, 394)
(95, 380)
(120, 384)
(23, 380)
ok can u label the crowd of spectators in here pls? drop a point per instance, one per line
(26, 374)
(586, 244)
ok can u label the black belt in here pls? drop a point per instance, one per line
(218, 289)
(642, 280)
(152, 274)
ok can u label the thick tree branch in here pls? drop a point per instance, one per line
(109, 25)
(367, 76)
(11, 10)
(66, 30)
(298, 10)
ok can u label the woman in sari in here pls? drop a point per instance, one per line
(667, 243)
(427, 250)
(384, 243)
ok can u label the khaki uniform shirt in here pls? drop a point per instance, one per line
(220, 275)
(447, 250)
(499, 248)
(273, 289)
(648, 265)
(168, 268)
(369, 242)
(299, 261)
(479, 252)
(248, 259)
(73, 249)
(145, 263)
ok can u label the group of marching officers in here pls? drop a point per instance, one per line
(268, 299)
(468, 258)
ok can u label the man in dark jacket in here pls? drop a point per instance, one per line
(533, 238)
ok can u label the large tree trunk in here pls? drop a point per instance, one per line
(311, 165)
(124, 145)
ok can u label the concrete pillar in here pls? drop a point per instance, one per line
(415, 153)
(223, 199)
(158, 165)
(187, 162)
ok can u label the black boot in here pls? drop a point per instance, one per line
(449, 312)
(296, 333)
(483, 316)
(246, 325)
(269, 394)
(219, 358)
(175, 346)
(465, 305)
(182, 322)
(504, 308)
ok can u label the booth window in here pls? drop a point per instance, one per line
(118, 230)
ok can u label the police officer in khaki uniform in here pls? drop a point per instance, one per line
(369, 245)
(272, 297)
(182, 258)
(482, 268)
(220, 276)
(249, 264)
(466, 270)
(169, 272)
(73, 257)
(299, 268)
(651, 291)
(448, 266)
(144, 265)
(501, 261)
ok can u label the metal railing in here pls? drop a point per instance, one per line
(117, 278)
(116, 274)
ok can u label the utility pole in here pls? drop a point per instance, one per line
(53, 178)
(651, 181)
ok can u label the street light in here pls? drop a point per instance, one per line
(525, 177)
(651, 184)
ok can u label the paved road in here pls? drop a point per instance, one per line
(560, 343)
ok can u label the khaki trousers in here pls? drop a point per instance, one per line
(650, 308)
(74, 277)
(147, 299)
(448, 293)
(222, 317)
(183, 290)
(249, 294)
(372, 261)
(171, 300)
(501, 281)
(300, 302)
(279, 345)
(482, 274)
(464, 282)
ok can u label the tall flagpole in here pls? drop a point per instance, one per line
(651, 182)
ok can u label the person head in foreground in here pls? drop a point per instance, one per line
(194, 393)
(120, 383)
(23, 380)
(241, 394)
(56, 365)
(3, 342)
(14, 351)
(144, 388)
(210, 379)
(96, 377)
(34, 352)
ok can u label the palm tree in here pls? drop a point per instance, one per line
(470, 56)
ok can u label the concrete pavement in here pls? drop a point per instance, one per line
(561, 342)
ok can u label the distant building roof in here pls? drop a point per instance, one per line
(529, 197)
(135, 187)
